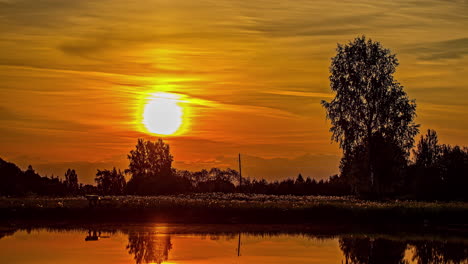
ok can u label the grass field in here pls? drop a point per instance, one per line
(237, 208)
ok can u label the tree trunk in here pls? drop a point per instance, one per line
(369, 157)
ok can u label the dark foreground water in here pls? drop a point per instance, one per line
(164, 243)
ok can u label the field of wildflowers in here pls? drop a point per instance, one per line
(237, 207)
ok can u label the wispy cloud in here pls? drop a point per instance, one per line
(440, 50)
(16, 120)
(300, 94)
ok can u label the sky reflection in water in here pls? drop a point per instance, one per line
(192, 245)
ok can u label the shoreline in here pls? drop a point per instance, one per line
(311, 231)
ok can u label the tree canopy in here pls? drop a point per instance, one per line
(439, 171)
(150, 167)
(368, 99)
(110, 182)
(150, 159)
(71, 181)
(427, 151)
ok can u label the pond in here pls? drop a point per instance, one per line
(166, 243)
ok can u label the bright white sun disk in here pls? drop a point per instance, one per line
(162, 114)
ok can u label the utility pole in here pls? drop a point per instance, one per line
(240, 171)
(239, 245)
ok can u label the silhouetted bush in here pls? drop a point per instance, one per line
(439, 171)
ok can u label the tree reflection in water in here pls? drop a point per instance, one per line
(427, 252)
(365, 250)
(149, 247)
(372, 251)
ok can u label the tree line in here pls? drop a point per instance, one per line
(150, 172)
(437, 172)
(14, 181)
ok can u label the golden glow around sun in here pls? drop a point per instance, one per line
(162, 114)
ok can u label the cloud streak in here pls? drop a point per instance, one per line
(441, 50)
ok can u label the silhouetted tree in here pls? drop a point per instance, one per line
(286, 187)
(336, 185)
(424, 177)
(10, 178)
(261, 186)
(71, 182)
(300, 185)
(388, 164)
(439, 171)
(110, 182)
(368, 104)
(217, 180)
(427, 151)
(200, 176)
(151, 168)
(453, 165)
(300, 179)
(31, 181)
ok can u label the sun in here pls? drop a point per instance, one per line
(162, 114)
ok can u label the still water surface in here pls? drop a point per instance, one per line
(204, 244)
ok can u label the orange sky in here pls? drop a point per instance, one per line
(251, 73)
